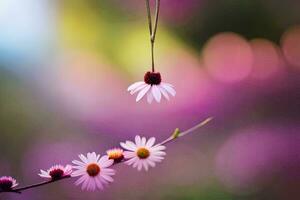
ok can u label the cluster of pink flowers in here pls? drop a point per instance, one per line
(94, 170)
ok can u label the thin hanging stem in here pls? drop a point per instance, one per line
(156, 20)
(151, 30)
(149, 16)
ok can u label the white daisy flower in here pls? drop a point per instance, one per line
(143, 153)
(153, 87)
(93, 170)
(7, 183)
(56, 172)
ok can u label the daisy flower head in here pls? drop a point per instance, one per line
(93, 170)
(56, 172)
(7, 183)
(115, 154)
(143, 153)
(152, 87)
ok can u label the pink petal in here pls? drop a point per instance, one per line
(150, 142)
(142, 93)
(149, 97)
(137, 140)
(156, 93)
(164, 92)
(138, 89)
(135, 85)
(169, 88)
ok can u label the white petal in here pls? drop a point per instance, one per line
(159, 153)
(158, 148)
(169, 88)
(138, 140)
(76, 162)
(131, 145)
(108, 178)
(136, 163)
(106, 163)
(149, 97)
(139, 88)
(164, 92)
(142, 93)
(156, 93)
(135, 85)
(143, 142)
(145, 164)
(103, 181)
(128, 145)
(129, 154)
(98, 183)
(83, 158)
(78, 173)
(150, 142)
(108, 171)
(91, 185)
(89, 157)
(85, 183)
(93, 157)
(151, 163)
(140, 165)
(131, 161)
(156, 158)
(80, 180)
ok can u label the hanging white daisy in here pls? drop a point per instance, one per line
(56, 172)
(7, 183)
(153, 87)
(93, 170)
(143, 153)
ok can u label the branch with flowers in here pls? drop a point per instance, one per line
(94, 171)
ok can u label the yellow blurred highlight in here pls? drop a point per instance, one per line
(80, 27)
(134, 49)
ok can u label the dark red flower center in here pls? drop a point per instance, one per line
(93, 169)
(56, 174)
(152, 78)
(5, 185)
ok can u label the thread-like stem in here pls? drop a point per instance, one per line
(19, 190)
(171, 138)
(151, 29)
(149, 16)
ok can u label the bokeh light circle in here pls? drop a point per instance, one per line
(290, 43)
(228, 57)
(249, 159)
(266, 58)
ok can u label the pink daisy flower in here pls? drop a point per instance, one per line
(143, 153)
(56, 172)
(93, 170)
(153, 87)
(7, 183)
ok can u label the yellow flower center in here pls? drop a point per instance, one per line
(115, 154)
(143, 153)
(93, 169)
